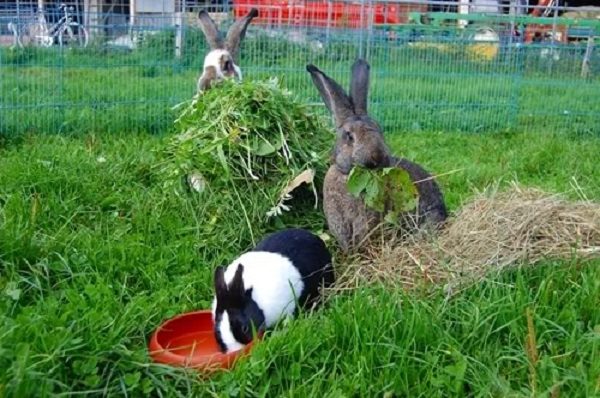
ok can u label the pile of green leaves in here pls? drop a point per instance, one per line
(388, 190)
(250, 130)
(245, 146)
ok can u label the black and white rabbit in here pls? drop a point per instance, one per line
(262, 286)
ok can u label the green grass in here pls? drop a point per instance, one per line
(95, 254)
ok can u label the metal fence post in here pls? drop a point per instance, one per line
(519, 66)
(62, 103)
(183, 25)
(585, 65)
(178, 34)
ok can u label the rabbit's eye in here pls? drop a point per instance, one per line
(348, 136)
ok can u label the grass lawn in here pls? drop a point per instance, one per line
(94, 254)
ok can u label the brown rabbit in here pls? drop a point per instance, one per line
(220, 62)
(360, 142)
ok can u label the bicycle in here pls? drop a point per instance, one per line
(68, 32)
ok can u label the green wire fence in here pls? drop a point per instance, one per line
(428, 74)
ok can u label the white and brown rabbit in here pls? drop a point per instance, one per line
(262, 286)
(221, 62)
(360, 142)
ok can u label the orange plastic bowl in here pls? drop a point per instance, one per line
(188, 341)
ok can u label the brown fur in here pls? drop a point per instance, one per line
(348, 219)
(360, 142)
(208, 77)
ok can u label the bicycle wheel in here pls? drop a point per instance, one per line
(73, 35)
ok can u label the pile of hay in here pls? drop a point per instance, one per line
(492, 232)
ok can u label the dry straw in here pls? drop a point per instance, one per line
(492, 232)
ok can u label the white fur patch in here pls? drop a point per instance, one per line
(213, 59)
(238, 71)
(276, 284)
(227, 336)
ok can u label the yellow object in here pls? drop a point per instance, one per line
(483, 51)
(447, 48)
(486, 44)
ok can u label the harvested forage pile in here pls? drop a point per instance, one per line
(492, 232)
(253, 131)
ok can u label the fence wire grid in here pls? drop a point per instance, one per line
(433, 69)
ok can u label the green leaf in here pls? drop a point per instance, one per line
(391, 217)
(109, 202)
(147, 386)
(402, 192)
(391, 187)
(375, 194)
(358, 180)
(222, 158)
(13, 291)
(262, 147)
(86, 367)
(132, 379)
(457, 371)
(92, 381)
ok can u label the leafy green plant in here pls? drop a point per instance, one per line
(248, 129)
(388, 190)
(241, 133)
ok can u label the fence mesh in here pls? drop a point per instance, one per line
(431, 71)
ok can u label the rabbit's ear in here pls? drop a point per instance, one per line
(237, 32)
(237, 283)
(359, 86)
(210, 30)
(334, 96)
(220, 285)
